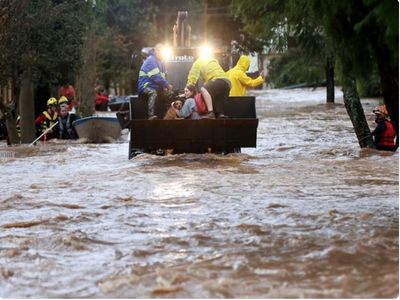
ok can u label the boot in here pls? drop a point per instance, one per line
(209, 115)
(151, 106)
(221, 116)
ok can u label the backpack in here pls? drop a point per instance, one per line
(201, 106)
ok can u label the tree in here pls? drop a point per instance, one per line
(364, 33)
(86, 75)
(123, 27)
(291, 25)
(40, 40)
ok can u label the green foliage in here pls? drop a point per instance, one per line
(290, 68)
(266, 20)
(128, 18)
(113, 55)
(44, 36)
(122, 27)
(246, 43)
(353, 31)
(382, 14)
(370, 86)
(354, 27)
(293, 31)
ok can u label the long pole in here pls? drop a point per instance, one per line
(46, 131)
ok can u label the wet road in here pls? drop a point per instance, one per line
(305, 214)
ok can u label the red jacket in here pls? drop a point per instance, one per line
(100, 98)
(68, 92)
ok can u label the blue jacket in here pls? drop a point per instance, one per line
(152, 74)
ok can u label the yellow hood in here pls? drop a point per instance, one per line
(243, 63)
(240, 81)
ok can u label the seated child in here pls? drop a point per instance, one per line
(194, 105)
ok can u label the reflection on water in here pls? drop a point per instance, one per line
(305, 214)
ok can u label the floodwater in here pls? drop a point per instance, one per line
(305, 214)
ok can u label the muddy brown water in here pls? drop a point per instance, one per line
(305, 214)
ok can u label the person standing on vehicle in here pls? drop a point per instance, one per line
(152, 79)
(240, 80)
(216, 85)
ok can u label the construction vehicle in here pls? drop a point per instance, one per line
(189, 136)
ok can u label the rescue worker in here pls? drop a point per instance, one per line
(152, 79)
(68, 91)
(240, 81)
(63, 102)
(384, 134)
(101, 100)
(216, 85)
(48, 118)
(64, 129)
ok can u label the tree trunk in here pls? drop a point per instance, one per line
(86, 78)
(26, 109)
(330, 79)
(356, 113)
(14, 137)
(12, 134)
(389, 75)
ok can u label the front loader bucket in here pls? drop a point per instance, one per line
(194, 136)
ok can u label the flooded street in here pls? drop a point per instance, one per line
(305, 214)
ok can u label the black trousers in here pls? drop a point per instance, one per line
(219, 91)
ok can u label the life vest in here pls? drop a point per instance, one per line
(66, 126)
(386, 139)
(50, 120)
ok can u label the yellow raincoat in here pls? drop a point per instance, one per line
(239, 80)
(207, 69)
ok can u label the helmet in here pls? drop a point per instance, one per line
(62, 100)
(52, 101)
(380, 110)
(145, 52)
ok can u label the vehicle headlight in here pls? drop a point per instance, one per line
(205, 51)
(166, 53)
